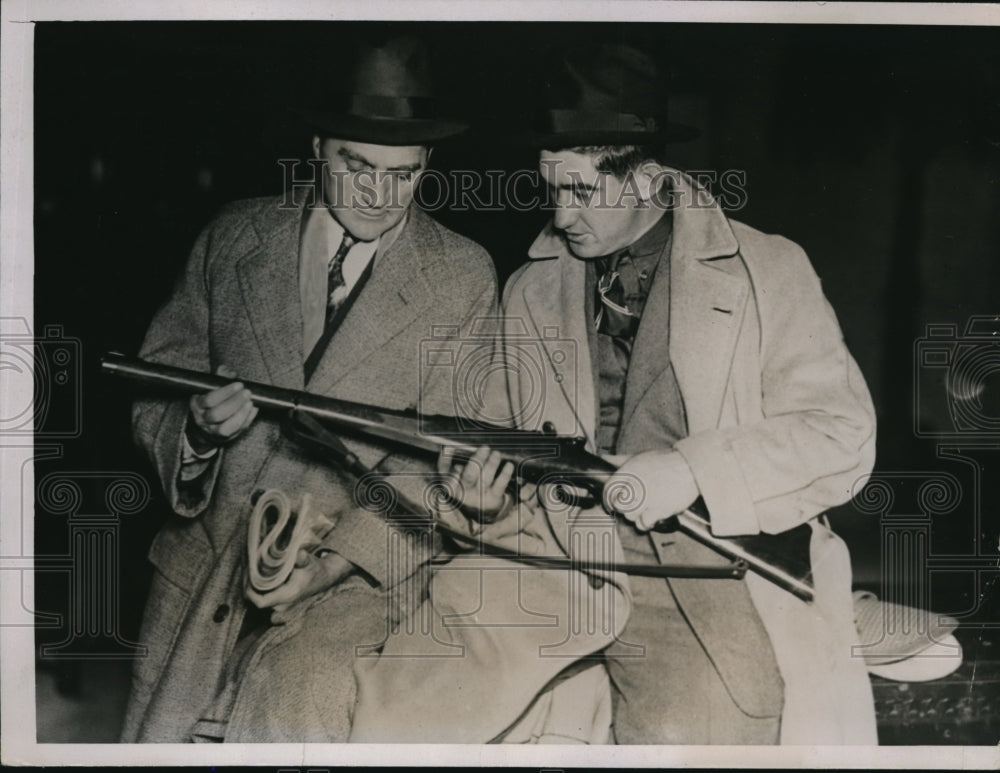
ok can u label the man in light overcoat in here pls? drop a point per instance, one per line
(701, 356)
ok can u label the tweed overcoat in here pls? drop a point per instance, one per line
(238, 303)
(781, 427)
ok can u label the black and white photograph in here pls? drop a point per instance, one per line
(551, 385)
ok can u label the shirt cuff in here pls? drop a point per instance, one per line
(193, 464)
(190, 456)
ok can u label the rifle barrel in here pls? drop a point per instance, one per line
(533, 452)
(781, 558)
(345, 414)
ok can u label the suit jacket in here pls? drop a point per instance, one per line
(238, 303)
(781, 427)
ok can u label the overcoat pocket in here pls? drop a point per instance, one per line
(180, 552)
(180, 558)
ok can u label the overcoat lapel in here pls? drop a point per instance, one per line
(700, 306)
(268, 277)
(693, 315)
(705, 318)
(555, 306)
(650, 355)
(394, 296)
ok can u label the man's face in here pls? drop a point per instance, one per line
(598, 213)
(368, 187)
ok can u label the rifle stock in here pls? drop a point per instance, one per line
(782, 559)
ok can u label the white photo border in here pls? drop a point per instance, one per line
(16, 300)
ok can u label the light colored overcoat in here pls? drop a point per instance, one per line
(781, 427)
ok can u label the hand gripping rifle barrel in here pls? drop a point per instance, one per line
(538, 456)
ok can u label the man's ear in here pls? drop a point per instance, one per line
(648, 178)
(316, 145)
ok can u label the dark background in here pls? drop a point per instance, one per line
(875, 148)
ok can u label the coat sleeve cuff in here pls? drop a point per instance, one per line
(188, 497)
(721, 483)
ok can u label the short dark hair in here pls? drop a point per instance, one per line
(619, 160)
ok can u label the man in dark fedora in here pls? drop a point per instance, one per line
(709, 364)
(332, 294)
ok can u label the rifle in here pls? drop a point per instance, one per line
(540, 457)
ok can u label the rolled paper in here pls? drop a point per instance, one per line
(275, 534)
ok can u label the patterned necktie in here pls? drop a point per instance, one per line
(336, 294)
(336, 287)
(614, 318)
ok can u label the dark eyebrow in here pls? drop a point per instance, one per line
(573, 187)
(352, 156)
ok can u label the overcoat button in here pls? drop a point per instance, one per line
(596, 582)
(549, 428)
(221, 613)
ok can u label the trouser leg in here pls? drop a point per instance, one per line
(670, 693)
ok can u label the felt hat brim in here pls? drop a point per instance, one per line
(381, 131)
(541, 140)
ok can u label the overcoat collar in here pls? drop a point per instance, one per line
(701, 304)
(396, 293)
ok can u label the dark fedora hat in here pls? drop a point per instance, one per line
(388, 98)
(609, 94)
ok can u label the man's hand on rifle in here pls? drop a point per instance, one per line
(219, 416)
(482, 506)
(650, 487)
(479, 487)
